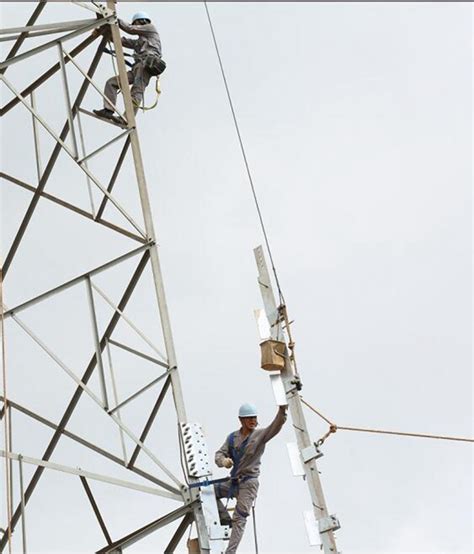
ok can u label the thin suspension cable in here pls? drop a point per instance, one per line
(333, 428)
(6, 417)
(244, 155)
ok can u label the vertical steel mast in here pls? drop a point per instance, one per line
(308, 452)
(107, 310)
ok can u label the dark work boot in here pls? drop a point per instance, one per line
(105, 112)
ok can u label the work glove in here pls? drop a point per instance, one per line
(228, 463)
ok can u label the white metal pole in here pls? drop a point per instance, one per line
(305, 444)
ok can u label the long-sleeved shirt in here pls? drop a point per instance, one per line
(148, 41)
(249, 465)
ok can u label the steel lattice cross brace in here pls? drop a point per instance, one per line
(85, 180)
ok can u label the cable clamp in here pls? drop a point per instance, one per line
(311, 453)
(329, 523)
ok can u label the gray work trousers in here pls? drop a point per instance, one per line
(138, 77)
(246, 493)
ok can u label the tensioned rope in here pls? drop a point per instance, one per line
(244, 155)
(6, 417)
(333, 428)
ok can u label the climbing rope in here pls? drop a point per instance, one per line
(244, 155)
(333, 428)
(6, 418)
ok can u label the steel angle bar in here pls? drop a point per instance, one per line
(77, 280)
(115, 393)
(178, 535)
(140, 391)
(96, 510)
(71, 154)
(93, 447)
(95, 476)
(104, 146)
(95, 332)
(96, 23)
(50, 72)
(154, 257)
(134, 537)
(138, 353)
(130, 323)
(150, 421)
(51, 27)
(115, 174)
(34, 16)
(97, 400)
(87, 6)
(36, 139)
(52, 159)
(73, 208)
(34, 34)
(22, 503)
(78, 393)
(83, 151)
(112, 107)
(107, 121)
(67, 99)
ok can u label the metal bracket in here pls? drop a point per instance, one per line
(330, 523)
(311, 453)
(195, 450)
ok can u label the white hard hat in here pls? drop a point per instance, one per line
(247, 410)
(141, 15)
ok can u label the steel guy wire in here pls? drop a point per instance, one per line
(244, 155)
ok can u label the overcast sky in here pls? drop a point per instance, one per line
(357, 123)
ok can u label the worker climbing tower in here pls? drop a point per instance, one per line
(88, 354)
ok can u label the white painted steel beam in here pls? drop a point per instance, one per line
(89, 475)
(295, 406)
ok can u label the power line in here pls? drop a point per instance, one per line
(244, 155)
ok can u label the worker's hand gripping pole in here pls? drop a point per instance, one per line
(327, 524)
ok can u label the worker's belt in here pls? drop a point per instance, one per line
(235, 481)
(154, 64)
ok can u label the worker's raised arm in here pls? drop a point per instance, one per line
(129, 42)
(136, 29)
(275, 426)
(222, 457)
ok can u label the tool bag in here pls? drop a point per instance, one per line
(154, 64)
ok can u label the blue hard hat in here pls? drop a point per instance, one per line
(247, 410)
(141, 15)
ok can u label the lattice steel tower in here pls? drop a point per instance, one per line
(82, 287)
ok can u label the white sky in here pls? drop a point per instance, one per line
(357, 123)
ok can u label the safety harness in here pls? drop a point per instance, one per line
(236, 454)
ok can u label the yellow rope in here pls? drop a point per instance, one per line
(405, 434)
(6, 417)
(333, 428)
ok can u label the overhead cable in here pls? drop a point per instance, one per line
(244, 155)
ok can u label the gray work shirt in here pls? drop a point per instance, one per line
(148, 41)
(249, 465)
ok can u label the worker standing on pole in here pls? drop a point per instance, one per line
(147, 58)
(242, 451)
